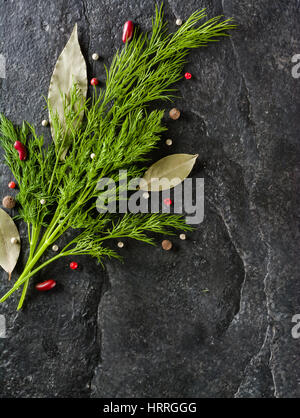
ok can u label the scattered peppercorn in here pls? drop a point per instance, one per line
(95, 56)
(182, 236)
(73, 265)
(174, 113)
(12, 185)
(8, 202)
(45, 122)
(21, 150)
(178, 22)
(128, 31)
(120, 244)
(47, 285)
(166, 245)
(188, 76)
(168, 202)
(169, 142)
(94, 81)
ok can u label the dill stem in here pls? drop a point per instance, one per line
(25, 276)
(33, 239)
(33, 259)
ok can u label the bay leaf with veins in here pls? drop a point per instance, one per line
(70, 70)
(168, 172)
(9, 243)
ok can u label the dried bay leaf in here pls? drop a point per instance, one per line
(70, 69)
(168, 172)
(9, 252)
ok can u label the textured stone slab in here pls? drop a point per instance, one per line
(147, 327)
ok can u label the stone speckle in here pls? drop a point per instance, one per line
(145, 327)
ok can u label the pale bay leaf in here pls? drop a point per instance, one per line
(70, 69)
(168, 172)
(9, 252)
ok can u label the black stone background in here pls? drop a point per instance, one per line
(145, 328)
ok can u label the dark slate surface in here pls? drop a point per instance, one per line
(146, 327)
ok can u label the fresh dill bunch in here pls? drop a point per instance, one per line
(120, 130)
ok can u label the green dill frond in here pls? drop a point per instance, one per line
(136, 226)
(119, 129)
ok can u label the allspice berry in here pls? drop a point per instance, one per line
(9, 202)
(174, 113)
(166, 245)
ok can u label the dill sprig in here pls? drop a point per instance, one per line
(120, 130)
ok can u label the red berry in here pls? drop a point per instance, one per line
(21, 150)
(128, 31)
(47, 285)
(73, 265)
(11, 184)
(94, 81)
(168, 202)
(188, 76)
